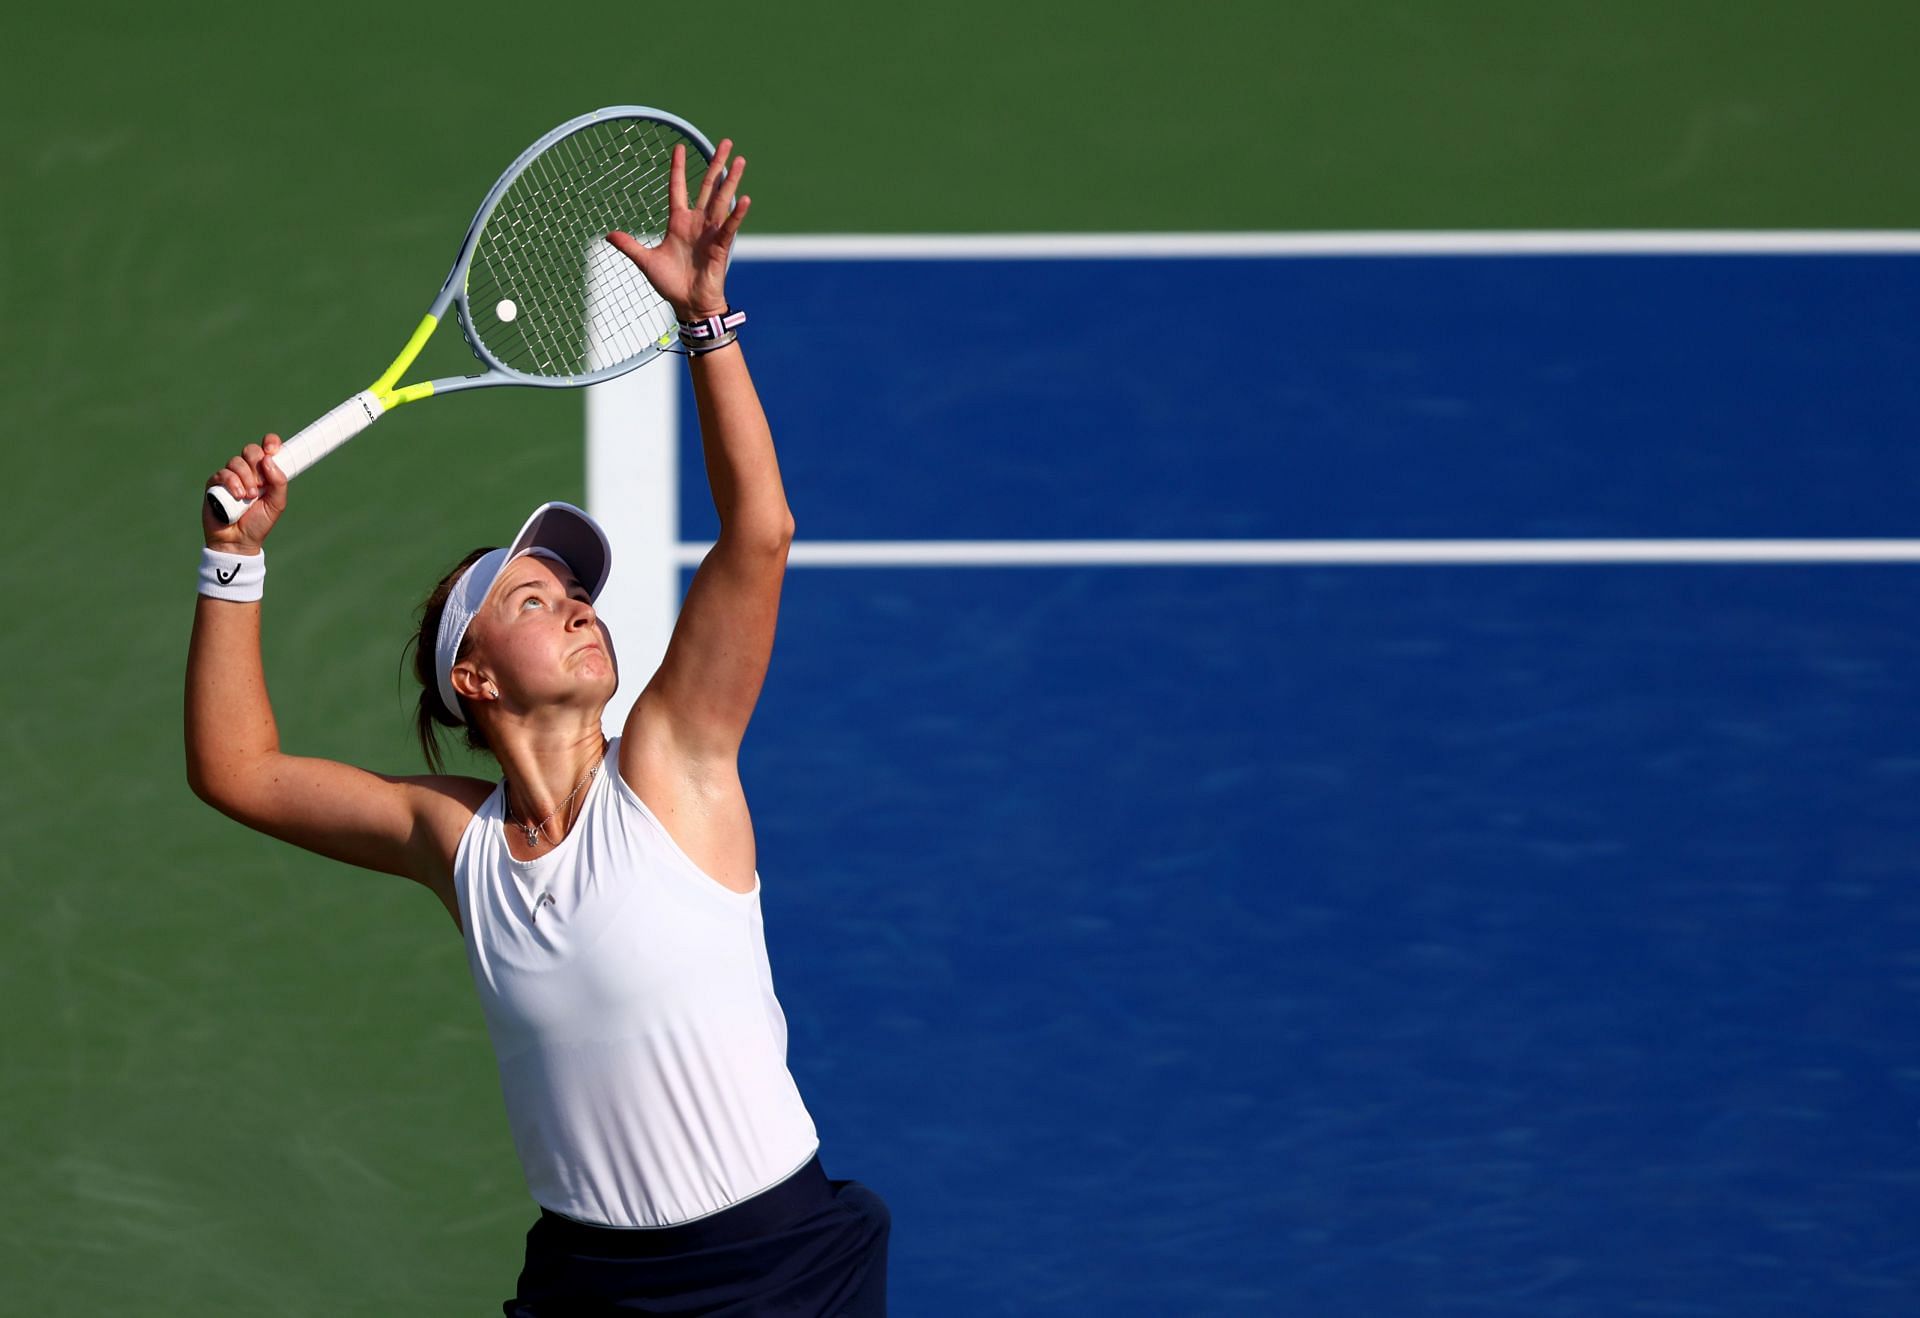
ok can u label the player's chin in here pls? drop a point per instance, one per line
(589, 661)
(592, 673)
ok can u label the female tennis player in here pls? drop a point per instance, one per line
(607, 891)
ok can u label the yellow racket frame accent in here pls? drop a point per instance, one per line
(383, 387)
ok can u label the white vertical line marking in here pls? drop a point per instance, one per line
(633, 489)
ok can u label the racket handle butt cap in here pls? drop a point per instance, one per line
(225, 508)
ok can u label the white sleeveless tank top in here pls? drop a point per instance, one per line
(642, 1052)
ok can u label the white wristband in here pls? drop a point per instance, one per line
(238, 577)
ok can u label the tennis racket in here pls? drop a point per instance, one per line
(543, 298)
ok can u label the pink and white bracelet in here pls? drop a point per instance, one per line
(710, 333)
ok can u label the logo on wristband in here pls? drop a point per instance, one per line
(226, 578)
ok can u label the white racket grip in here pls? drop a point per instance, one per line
(306, 448)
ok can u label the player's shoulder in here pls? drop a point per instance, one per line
(445, 804)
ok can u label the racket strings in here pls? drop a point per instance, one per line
(568, 184)
(562, 192)
(548, 211)
(578, 305)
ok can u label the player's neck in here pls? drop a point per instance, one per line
(543, 764)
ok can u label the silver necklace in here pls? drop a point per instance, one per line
(536, 832)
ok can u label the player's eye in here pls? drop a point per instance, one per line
(533, 600)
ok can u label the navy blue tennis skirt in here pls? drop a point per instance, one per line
(805, 1248)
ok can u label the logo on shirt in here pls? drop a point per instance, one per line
(545, 899)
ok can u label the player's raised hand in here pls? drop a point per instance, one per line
(688, 266)
(252, 474)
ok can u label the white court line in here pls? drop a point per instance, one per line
(1199, 553)
(1064, 246)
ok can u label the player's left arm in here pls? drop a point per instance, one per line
(701, 699)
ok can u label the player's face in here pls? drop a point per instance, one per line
(540, 639)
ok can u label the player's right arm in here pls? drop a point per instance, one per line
(404, 826)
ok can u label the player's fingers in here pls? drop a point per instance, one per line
(256, 455)
(723, 196)
(244, 472)
(731, 225)
(715, 168)
(645, 259)
(641, 254)
(273, 489)
(270, 472)
(677, 180)
(627, 245)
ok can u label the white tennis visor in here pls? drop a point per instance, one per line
(558, 531)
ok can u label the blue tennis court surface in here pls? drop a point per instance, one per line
(1352, 940)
